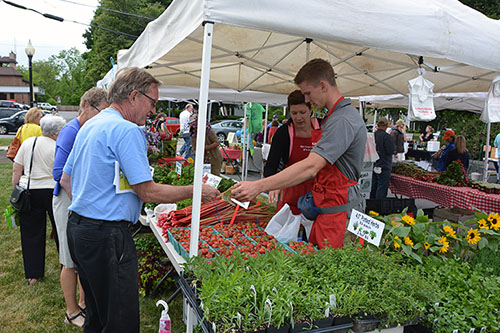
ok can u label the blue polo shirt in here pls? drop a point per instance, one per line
(104, 139)
(64, 144)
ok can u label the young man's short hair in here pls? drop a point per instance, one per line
(314, 71)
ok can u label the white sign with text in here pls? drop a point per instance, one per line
(366, 227)
(178, 167)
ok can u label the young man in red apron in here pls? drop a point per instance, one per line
(334, 163)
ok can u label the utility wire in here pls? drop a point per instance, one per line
(60, 19)
(108, 9)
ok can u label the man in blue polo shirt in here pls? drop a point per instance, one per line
(100, 243)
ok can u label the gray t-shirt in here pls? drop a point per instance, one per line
(343, 142)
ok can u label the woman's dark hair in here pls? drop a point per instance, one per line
(275, 123)
(297, 97)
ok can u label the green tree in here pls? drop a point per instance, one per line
(60, 76)
(105, 44)
(490, 8)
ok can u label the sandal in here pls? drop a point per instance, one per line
(83, 310)
(69, 320)
(32, 281)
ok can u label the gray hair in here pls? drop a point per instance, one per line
(129, 79)
(52, 125)
(94, 96)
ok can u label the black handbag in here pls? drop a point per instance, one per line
(20, 198)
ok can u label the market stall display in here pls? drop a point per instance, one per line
(447, 196)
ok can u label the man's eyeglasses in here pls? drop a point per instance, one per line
(153, 101)
(95, 107)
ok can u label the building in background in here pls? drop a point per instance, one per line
(12, 85)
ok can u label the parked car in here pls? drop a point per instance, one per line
(10, 104)
(223, 127)
(7, 112)
(47, 106)
(12, 123)
(173, 124)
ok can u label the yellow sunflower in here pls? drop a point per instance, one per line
(408, 241)
(473, 236)
(427, 245)
(408, 219)
(444, 248)
(371, 212)
(442, 240)
(483, 224)
(393, 223)
(449, 231)
(190, 160)
(396, 243)
(494, 221)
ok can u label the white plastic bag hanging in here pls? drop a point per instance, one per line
(284, 226)
(491, 111)
(421, 99)
(371, 154)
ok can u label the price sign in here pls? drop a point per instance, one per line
(366, 227)
(178, 167)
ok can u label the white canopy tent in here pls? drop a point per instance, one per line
(473, 101)
(258, 45)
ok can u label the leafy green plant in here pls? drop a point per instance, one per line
(467, 297)
(153, 264)
(361, 280)
(418, 237)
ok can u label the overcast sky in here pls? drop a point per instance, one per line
(48, 36)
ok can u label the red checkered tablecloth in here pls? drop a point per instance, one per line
(447, 196)
(233, 154)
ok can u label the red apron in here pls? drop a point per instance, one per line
(300, 150)
(330, 189)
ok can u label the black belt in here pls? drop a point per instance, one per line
(110, 223)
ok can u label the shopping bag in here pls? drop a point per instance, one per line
(11, 216)
(308, 224)
(266, 147)
(14, 147)
(284, 226)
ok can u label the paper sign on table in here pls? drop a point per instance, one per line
(366, 227)
(211, 180)
(207, 168)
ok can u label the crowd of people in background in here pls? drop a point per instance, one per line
(391, 142)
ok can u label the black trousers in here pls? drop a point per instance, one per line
(34, 232)
(107, 264)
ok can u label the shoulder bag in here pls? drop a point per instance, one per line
(14, 146)
(20, 198)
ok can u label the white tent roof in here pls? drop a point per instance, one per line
(455, 101)
(259, 45)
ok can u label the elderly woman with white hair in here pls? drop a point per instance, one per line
(33, 223)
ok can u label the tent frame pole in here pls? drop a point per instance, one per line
(200, 138)
(487, 152)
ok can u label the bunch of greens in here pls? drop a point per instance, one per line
(454, 175)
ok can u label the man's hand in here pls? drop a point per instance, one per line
(208, 193)
(273, 196)
(245, 191)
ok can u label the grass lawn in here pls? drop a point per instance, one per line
(41, 307)
(5, 141)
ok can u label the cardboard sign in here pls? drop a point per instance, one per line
(231, 137)
(366, 227)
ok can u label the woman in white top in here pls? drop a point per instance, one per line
(33, 223)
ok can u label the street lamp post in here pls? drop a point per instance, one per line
(30, 51)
